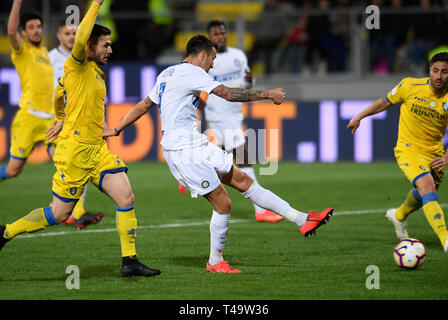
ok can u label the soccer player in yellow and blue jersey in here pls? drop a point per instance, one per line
(36, 113)
(419, 150)
(33, 65)
(82, 154)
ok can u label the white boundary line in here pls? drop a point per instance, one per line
(187, 224)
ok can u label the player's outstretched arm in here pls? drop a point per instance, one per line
(244, 95)
(13, 26)
(79, 51)
(377, 106)
(133, 115)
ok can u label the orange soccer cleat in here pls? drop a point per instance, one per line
(70, 220)
(268, 216)
(222, 267)
(181, 188)
(314, 220)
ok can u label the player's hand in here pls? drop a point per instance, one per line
(54, 130)
(354, 124)
(278, 95)
(100, 2)
(109, 133)
(439, 163)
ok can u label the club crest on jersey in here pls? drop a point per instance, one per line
(237, 62)
(73, 191)
(445, 106)
(205, 184)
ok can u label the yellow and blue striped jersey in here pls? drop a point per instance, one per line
(423, 115)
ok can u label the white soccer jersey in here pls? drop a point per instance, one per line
(229, 68)
(177, 91)
(57, 58)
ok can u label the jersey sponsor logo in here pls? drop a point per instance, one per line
(227, 76)
(419, 99)
(426, 112)
(432, 104)
(445, 106)
(43, 60)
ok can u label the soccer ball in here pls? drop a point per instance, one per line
(409, 253)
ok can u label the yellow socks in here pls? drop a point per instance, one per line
(434, 215)
(36, 220)
(79, 210)
(127, 230)
(412, 203)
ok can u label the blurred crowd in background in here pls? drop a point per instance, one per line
(299, 37)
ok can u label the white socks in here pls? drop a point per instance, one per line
(219, 225)
(251, 173)
(266, 199)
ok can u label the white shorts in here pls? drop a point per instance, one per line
(228, 136)
(198, 168)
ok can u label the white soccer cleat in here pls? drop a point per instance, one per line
(400, 226)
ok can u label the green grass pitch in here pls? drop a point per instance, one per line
(278, 263)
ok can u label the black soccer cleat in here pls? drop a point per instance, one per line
(132, 267)
(3, 240)
(88, 219)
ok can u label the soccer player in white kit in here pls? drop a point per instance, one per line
(225, 118)
(66, 37)
(199, 165)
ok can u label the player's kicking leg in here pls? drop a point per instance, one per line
(307, 223)
(117, 186)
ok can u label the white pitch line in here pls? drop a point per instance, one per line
(187, 224)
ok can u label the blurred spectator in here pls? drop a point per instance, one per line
(295, 43)
(268, 31)
(385, 42)
(316, 57)
(423, 25)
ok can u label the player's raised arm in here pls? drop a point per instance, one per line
(133, 115)
(244, 95)
(13, 26)
(79, 51)
(377, 106)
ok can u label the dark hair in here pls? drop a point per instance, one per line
(27, 16)
(97, 32)
(199, 43)
(441, 56)
(215, 23)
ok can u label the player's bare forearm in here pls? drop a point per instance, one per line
(245, 95)
(240, 94)
(138, 111)
(13, 25)
(377, 106)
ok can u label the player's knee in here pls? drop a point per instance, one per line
(127, 200)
